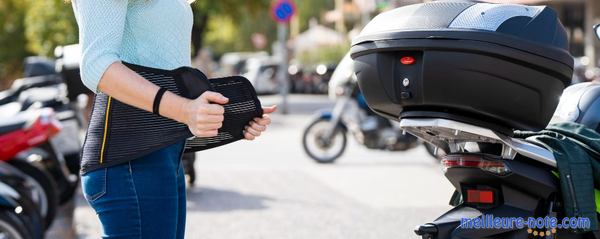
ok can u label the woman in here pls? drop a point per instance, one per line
(145, 197)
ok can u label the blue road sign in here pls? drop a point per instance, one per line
(283, 11)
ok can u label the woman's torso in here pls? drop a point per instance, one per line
(157, 33)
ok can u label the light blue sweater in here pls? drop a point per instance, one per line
(153, 33)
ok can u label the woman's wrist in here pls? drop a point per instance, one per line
(173, 106)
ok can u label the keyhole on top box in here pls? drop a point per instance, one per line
(406, 82)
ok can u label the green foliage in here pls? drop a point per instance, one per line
(323, 55)
(32, 27)
(231, 23)
(48, 24)
(230, 8)
(227, 33)
(226, 25)
(308, 9)
(12, 37)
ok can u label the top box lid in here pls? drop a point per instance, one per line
(535, 29)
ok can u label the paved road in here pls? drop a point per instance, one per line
(270, 189)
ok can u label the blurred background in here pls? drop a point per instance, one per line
(226, 32)
(373, 182)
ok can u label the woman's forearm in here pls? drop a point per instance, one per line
(127, 86)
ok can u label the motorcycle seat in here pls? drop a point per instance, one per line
(10, 109)
(12, 118)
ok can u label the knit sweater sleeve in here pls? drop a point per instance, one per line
(101, 26)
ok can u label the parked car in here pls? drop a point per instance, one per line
(233, 63)
(262, 72)
(310, 79)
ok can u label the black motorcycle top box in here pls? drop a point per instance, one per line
(502, 66)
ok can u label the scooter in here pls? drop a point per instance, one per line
(518, 176)
(50, 91)
(18, 135)
(325, 138)
(19, 214)
(462, 76)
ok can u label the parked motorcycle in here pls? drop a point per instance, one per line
(62, 153)
(19, 214)
(325, 138)
(18, 135)
(462, 76)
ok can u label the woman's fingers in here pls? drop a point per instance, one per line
(253, 131)
(212, 109)
(209, 126)
(270, 109)
(206, 133)
(258, 127)
(211, 119)
(249, 136)
(213, 97)
(265, 120)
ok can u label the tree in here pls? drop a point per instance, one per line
(32, 27)
(227, 25)
(12, 38)
(226, 34)
(308, 9)
(205, 11)
(48, 24)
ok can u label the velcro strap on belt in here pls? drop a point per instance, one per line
(119, 132)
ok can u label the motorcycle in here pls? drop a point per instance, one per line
(19, 214)
(325, 138)
(48, 90)
(18, 135)
(462, 76)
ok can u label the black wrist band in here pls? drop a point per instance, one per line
(157, 99)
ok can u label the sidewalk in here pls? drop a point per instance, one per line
(63, 225)
(270, 189)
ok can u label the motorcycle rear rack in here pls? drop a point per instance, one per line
(452, 136)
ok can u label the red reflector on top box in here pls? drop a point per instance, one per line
(408, 60)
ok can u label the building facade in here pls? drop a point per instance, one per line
(579, 17)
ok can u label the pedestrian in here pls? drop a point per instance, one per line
(144, 197)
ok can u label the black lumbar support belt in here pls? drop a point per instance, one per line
(118, 132)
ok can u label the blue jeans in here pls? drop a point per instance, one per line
(144, 198)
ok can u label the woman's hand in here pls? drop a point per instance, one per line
(204, 115)
(259, 125)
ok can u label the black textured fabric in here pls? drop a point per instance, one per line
(119, 133)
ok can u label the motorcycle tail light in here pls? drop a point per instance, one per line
(495, 166)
